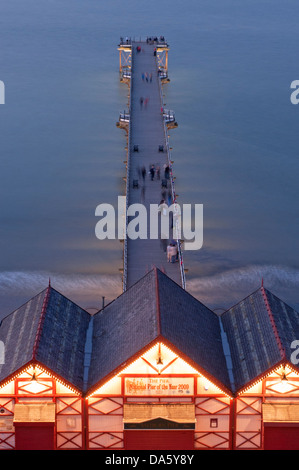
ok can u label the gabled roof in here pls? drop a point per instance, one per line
(260, 330)
(54, 332)
(286, 320)
(49, 329)
(156, 308)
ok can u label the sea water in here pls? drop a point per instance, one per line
(235, 150)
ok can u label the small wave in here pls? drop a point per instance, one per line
(225, 289)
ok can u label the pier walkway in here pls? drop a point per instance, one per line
(147, 125)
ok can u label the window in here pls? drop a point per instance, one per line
(213, 423)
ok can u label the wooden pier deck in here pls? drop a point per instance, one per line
(147, 145)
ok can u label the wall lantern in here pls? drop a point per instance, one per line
(159, 360)
(34, 386)
(283, 386)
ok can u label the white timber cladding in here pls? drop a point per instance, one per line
(106, 415)
(99, 440)
(248, 422)
(7, 437)
(51, 401)
(69, 422)
(250, 411)
(212, 422)
(270, 400)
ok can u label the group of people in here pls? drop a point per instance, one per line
(155, 171)
(155, 39)
(166, 171)
(148, 77)
(143, 101)
(172, 252)
(172, 248)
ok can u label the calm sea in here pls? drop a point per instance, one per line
(235, 151)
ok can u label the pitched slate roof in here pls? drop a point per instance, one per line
(156, 308)
(260, 330)
(287, 323)
(49, 329)
(18, 333)
(52, 330)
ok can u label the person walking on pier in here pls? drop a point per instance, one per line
(152, 172)
(166, 171)
(172, 253)
(158, 172)
(143, 172)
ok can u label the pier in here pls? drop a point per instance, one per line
(143, 66)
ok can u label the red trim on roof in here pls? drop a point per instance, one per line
(265, 374)
(54, 375)
(158, 303)
(259, 377)
(272, 321)
(122, 366)
(57, 377)
(196, 366)
(157, 340)
(41, 321)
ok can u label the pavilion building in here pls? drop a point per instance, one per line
(154, 369)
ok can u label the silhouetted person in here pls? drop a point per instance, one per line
(152, 172)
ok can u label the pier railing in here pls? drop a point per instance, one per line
(126, 118)
(167, 117)
(158, 40)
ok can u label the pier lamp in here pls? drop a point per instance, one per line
(283, 386)
(159, 360)
(34, 386)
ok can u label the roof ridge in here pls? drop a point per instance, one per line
(23, 304)
(67, 298)
(186, 291)
(273, 324)
(158, 302)
(102, 309)
(240, 301)
(41, 321)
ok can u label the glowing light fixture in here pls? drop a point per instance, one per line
(34, 386)
(283, 386)
(159, 360)
(284, 377)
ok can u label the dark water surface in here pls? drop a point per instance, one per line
(231, 64)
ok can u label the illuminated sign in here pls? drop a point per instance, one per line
(147, 386)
